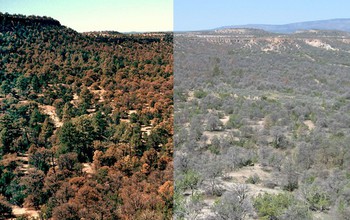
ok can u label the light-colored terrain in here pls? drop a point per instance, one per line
(20, 211)
(88, 168)
(318, 43)
(51, 111)
(239, 177)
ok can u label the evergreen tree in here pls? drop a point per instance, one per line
(46, 131)
(99, 123)
(35, 84)
(67, 111)
(22, 84)
(5, 87)
(69, 138)
(136, 138)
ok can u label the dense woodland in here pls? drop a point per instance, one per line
(267, 125)
(86, 122)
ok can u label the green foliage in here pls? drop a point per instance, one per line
(158, 136)
(134, 118)
(41, 159)
(317, 198)
(35, 83)
(136, 139)
(68, 161)
(47, 130)
(190, 180)
(77, 137)
(9, 132)
(179, 96)
(68, 137)
(99, 124)
(343, 209)
(35, 121)
(5, 208)
(22, 84)
(199, 94)
(5, 87)
(67, 111)
(6, 177)
(214, 149)
(271, 206)
(15, 191)
(86, 98)
(90, 81)
(179, 204)
(291, 185)
(234, 121)
(216, 70)
(298, 211)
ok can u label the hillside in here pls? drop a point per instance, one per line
(332, 24)
(85, 122)
(266, 118)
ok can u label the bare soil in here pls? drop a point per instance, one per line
(51, 111)
(18, 211)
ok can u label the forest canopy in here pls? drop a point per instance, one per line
(85, 121)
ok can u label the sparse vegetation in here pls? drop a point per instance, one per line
(268, 111)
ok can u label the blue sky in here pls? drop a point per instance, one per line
(206, 14)
(96, 15)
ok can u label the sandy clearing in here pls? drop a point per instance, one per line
(75, 100)
(99, 92)
(125, 120)
(190, 96)
(146, 129)
(88, 168)
(132, 111)
(225, 119)
(309, 124)
(241, 175)
(51, 111)
(75, 96)
(238, 178)
(220, 134)
(18, 211)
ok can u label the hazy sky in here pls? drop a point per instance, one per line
(157, 15)
(95, 15)
(205, 14)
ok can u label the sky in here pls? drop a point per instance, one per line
(178, 15)
(207, 14)
(99, 15)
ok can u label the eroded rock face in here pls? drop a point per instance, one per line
(269, 42)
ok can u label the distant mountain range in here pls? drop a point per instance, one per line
(333, 24)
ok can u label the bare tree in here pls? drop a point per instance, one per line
(234, 204)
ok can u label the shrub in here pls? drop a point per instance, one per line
(200, 94)
(297, 211)
(270, 206)
(254, 179)
(317, 198)
(233, 205)
(234, 122)
(5, 207)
